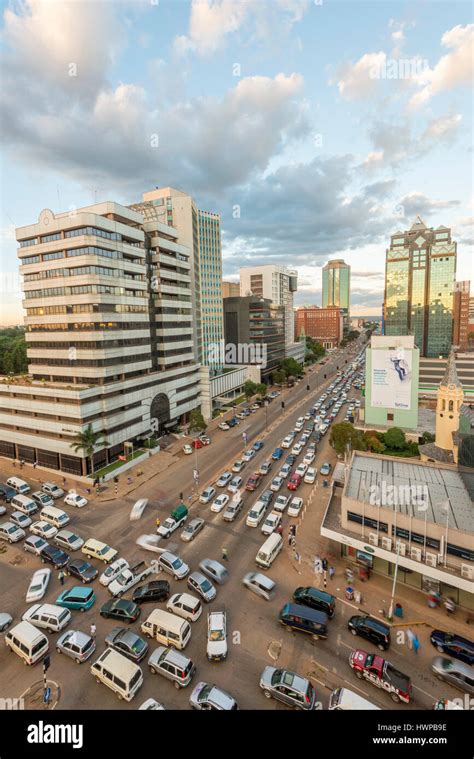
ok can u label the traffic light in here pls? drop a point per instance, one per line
(46, 663)
(307, 387)
(283, 404)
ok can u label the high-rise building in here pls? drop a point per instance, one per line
(256, 321)
(109, 333)
(276, 283)
(230, 289)
(200, 232)
(420, 272)
(461, 315)
(391, 382)
(322, 324)
(337, 285)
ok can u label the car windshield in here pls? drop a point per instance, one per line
(205, 586)
(177, 563)
(217, 635)
(104, 550)
(36, 587)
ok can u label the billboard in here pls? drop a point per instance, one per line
(391, 378)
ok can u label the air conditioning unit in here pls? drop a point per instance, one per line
(467, 571)
(431, 559)
(415, 553)
(387, 544)
(400, 548)
(440, 558)
(373, 539)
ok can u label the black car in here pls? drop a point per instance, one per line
(127, 643)
(454, 645)
(81, 569)
(157, 590)
(7, 493)
(315, 599)
(55, 556)
(290, 459)
(121, 609)
(267, 497)
(370, 629)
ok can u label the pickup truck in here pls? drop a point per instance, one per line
(175, 520)
(381, 673)
(128, 578)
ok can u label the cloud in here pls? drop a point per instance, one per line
(453, 70)
(416, 203)
(359, 81)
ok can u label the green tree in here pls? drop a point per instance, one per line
(278, 377)
(345, 434)
(291, 367)
(315, 347)
(395, 439)
(261, 389)
(374, 444)
(250, 389)
(13, 359)
(196, 421)
(88, 441)
(428, 437)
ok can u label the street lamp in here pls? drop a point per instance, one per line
(390, 610)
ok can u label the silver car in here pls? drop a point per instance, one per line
(288, 687)
(35, 544)
(454, 672)
(20, 519)
(5, 620)
(10, 532)
(232, 510)
(202, 586)
(191, 529)
(214, 570)
(260, 584)
(173, 665)
(172, 564)
(76, 644)
(68, 540)
(208, 697)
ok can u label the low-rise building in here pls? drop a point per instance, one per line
(322, 324)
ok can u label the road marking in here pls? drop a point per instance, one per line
(348, 603)
(417, 687)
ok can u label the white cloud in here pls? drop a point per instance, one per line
(358, 80)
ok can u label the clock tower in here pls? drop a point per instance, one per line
(449, 402)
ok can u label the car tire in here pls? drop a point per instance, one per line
(267, 694)
(353, 632)
(82, 609)
(176, 685)
(359, 675)
(395, 697)
(78, 661)
(440, 649)
(152, 669)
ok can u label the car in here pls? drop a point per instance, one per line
(187, 449)
(77, 597)
(35, 544)
(232, 509)
(276, 484)
(204, 439)
(207, 495)
(169, 562)
(68, 539)
(10, 532)
(238, 465)
(290, 459)
(325, 469)
(44, 530)
(83, 570)
(128, 643)
(39, 583)
(235, 484)
(202, 585)
(294, 482)
(284, 471)
(260, 584)
(95, 549)
(3, 510)
(223, 426)
(217, 636)
(151, 704)
(454, 672)
(277, 454)
(288, 687)
(304, 438)
(271, 523)
(310, 475)
(248, 455)
(287, 441)
(208, 697)
(265, 467)
(7, 493)
(5, 621)
(121, 609)
(191, 529)
(301, 470)
(233, 422)
(20, 519)
(309, 458)
(307, 416)
(253, 481)
(42, 499)
(454, 645)
(149, 543)
(221, 501)
(224, 479)
(74, 499)
(53, 490)
(297, 448)
(299, 424)
(214, 570)
(173, 665)
(258, 445)
(254, 407)
(281, 503)
(112, 571)
(185, 606)
(371, 629)
(76, 644)
(267, 497)
(155, 590)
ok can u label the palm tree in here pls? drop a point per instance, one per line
(88, 441)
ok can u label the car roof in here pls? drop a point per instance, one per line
(263, 580)
(172, 656)
(76, 637)
(78, 590)
(220, 698)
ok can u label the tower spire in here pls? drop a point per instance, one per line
(451, 374)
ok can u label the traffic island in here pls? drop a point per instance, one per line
(34, 697)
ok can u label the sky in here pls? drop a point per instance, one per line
(316, 129)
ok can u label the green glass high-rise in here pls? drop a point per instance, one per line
(420, 272)
(337, 285)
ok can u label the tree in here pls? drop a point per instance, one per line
(395, 438)
(345, 434)
(261, 389)
(314, 347)
(374, 444)
(278, 377)
(196, 421)
(250, 389)
(428, 437)
(291, 367)
(88, 441)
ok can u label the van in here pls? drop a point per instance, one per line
(24, 504)
(167, 629)
(256, 513)
(343, 699)
(19, 485)
(29, 643)
(119, 673)
(270, 550)
(57, 517)
(301, 618)
(315, 599)
(53, 618)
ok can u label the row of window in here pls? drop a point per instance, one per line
(85, 308)
(89, 345)
(79, 271)
(51, 292)
(88, 362)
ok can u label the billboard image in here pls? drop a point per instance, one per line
(391, 378)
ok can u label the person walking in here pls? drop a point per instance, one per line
(225, 554)
(450, 606)
(93, 631)
(416, 644)
(411, 637)
(332, 572)
(61, 576)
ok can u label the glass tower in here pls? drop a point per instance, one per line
(337, 285)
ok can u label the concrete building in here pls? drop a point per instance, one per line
(337, 285)
(322, 324)
(394, 510)
(432, 372)
(420, 270)
(461, 315)
(276, 283)
(109, 333)
(200, 232)
(391, 382)
(230, 289)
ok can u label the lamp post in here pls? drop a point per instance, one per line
(390, 610)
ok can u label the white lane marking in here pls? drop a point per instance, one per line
(348, 603)
(425, 692)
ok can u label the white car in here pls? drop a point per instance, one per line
(281, 503)
(216, 636)
(207, 495)
(10, 532)
(151, 704)
(271, 523)
(238, 466)
(149, 543)
(299, 424)
(297, 448)
(39, 583)
(287, 441)
(34, 544)
(224, 479)
(20, 519)
(277, 483)
(138, 509)
(295, 506)
(187, 449)
(113, 571)
(53, 490)
(74, 499)
(234, 484)
(44, 530)
(224, 426)
(309, 458)
(310, 475)
(284, 471)
(249, 455)
(221, 501)
(301, 470)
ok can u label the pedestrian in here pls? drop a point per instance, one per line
(129, 480)
(225, 554)
(416, 644)
(325, 565)
(411, 637)
(398, 611)
(14, 464)
(88, 491)
(290, 538)
(93, 631)
(35, 464)
(61, 576)
(97, 491)
(64, 482)
(450, 606)
(332, 572)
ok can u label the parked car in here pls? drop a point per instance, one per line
(172, 564)
(281, 503)
(454, 672)
(155, 590)
(371, 629)
(265, 467)
(248, 455)
(253, 481)
(232, 509)
(185, 606)
(121, 609)
(294, 482)
(295, 507)
(267, 497)
(42, 499)
(53, 490)
(217, 636)
(223, 426)
(220, 502)
(238, 466)
(173, 665)
(454, 645)
(290, 459)
(11, 533)
(233, 422)
(258, 445)
(7, 493)
(44, 530)
(128, 643)
(77, 597)
(95, 549)
(202, 586)
(74, 499)
(325, 469)
(192, 529)
(214, 570)
(301, 470)
(277, 454)
(235, 484)
(284, 471)
(271, 523)
(20, 519)
(288, 687)
(207, 495)
(83, 570)
(68, 539)
(208, 697)
(35, 544)
(310, 475)
(39, 583)
(224, 479)
(76, 644)
(187, 449)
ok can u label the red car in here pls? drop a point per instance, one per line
(253, 481)
(294, 482)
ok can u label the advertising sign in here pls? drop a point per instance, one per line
(391, 378)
